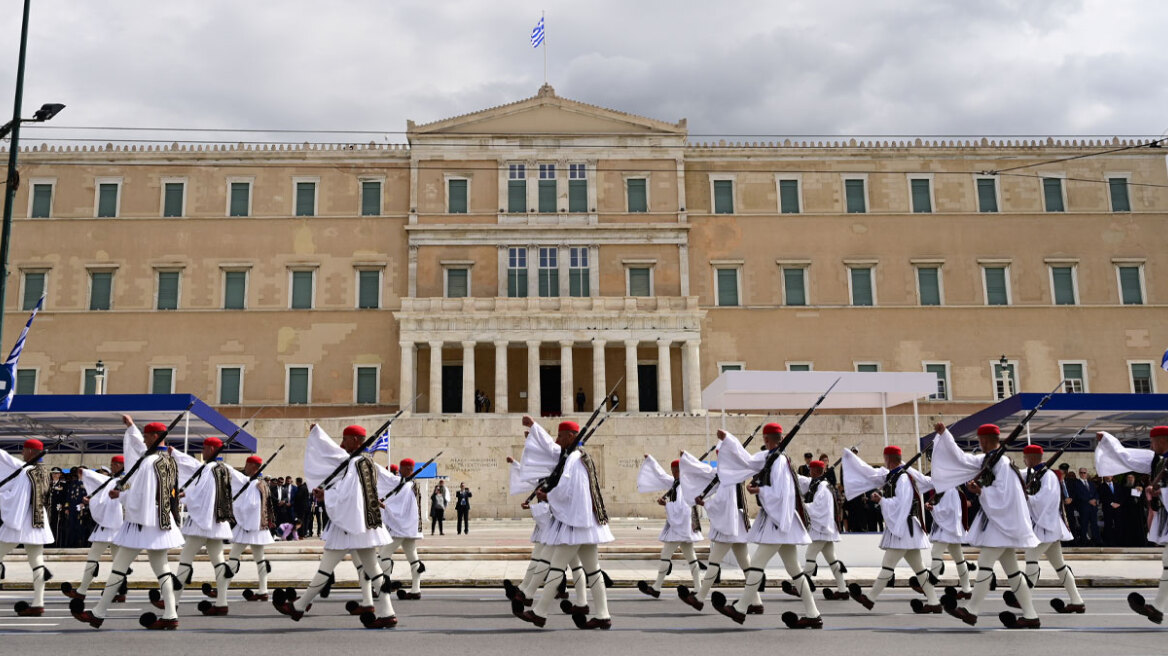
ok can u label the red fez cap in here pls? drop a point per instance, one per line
(570, 426)
(772, 429)
(817, 464)
(154, 427)
(407, 462)
(212, 442)
(33, 443)
(675, 463)
(118, 459)
(1159, 431)
(355, 431)
(892, 450)
(1032, 448)
(393, 469)
(255, 460)
(988, 429)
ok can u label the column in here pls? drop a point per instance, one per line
(435, 378)
(533, 378)
(693, 380)
(406, 389)
(632, 402)
(664, 377)
(599, 385)
(500, 400)
(563, 260)
(567, 391)
(594, 271)
(532, 271)
(468, 377)
(412, 270)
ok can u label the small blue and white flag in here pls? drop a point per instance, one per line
(1164, 361)
(382, 444)
(537, 34)
(8, 370)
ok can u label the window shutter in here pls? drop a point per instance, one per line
(162, 381)
(172, 202)
(34, 287)
(99, 293)
(298, 385)
(939, 371)
(578, 283)
(727, 287)
(987, 195)
(370, 198)
(1120, 202)
(1129, 281)
(517, 196)
(995, 278)
(867, 368)
(922, 203)
(305, 198)
(861, 286)
(723, 197)
(369, 289)
(517, 283)
(1064, 285)
(638, 201)
(301, 290)
(789, 196)
(1052, 189)
(577, 195)
(229, 379)
(366, 384)
(42, 200)
(547, 196)
(457, 193)
(240, 197)
(107, 200)
(929, 286)
(639, 282)
(235, 290)
(794, 287)
(168, 290)
(854, 190)
(456, 283)
(90, 381)
(26, 381)
(1141, 377)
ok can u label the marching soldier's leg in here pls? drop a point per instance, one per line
(802, 580)
(1033, 569)
(223, 573)
(924, 577)
(561, 555)
(186, 563)
(122, 559)
(328, 563)
(537, 570)
(810, 560)
(664, 563)
(887, 569)
(714, 566)
(379, 582)
(580, 581)
(985, 572)
(691, 558)
(962, 567)
(263, 567)
(937, 565)
(1161, 603)
(1018, 584)
(92, 566)
(234, 557)
(166, 583)
(36, 561)
(1055, 556)
(753, 570)
(410, 547)
(590, 558)
(837, 568)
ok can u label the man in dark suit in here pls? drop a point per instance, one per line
(1085, 497)
(1111, 501)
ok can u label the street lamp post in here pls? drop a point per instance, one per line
(99, 378)
(45, 113)
(1007, 377)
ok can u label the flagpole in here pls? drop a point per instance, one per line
(544, 22)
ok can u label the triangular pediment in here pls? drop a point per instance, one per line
(547, 113)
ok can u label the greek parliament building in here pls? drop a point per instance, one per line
(544, 250)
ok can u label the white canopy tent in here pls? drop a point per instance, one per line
(798, 390)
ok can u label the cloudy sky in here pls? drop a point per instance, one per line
(826, 67)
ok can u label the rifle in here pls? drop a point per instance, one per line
(677, 483)
(343, 467)
(1034, 478)
(985, 477)
(258, 472)
(553, 479)
(199, 472)
(125, 478)
(35, 459)
(603, 402)
(407, 479)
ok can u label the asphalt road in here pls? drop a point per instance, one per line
(478, 622)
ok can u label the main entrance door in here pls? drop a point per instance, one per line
(647, 387)
(549, 389)
(451, 388)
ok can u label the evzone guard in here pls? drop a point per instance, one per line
(579, 520)
(24, 503)
(682, 527)
(1050, 527)
(107, 521)
(210, 514)
(780, 526)
(403, 518)
(355, 521)
(149, 498)
(253, 516)
(898, 494)
(948, 534)
(819, 500)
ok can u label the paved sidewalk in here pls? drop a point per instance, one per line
(499, 549)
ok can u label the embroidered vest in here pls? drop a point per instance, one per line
(40, 484)
(598, 509)
(418, 503)
(368, 478)
(266, 513)
(224, 509)
(166, 471)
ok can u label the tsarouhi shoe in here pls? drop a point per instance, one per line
(949, 603)
(209, 591)
(569, 608)
(518, 610)
(408, 596)
(286, 608)
(645, 588)
(211, 610)
(153, 622)
(789, 588)
(1011, 599)
(921, 608)
(355, 608)
(689, 598)
(156, 598)
(24, 609)
(793, 621)
(1063, 608)
(249, 595)
(857, 593)
(371, 621)
(1136, 601)
(832, 595)
(719, 601)
(1012, 621)
(77, 609)
(69, 591)
(582, 622)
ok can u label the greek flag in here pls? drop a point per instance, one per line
(382, 444)
(8, 371)
(1164, 362)
(537, 34)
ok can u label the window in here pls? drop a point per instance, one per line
(456, 193)
(997, 285)
(798, 366)
(577, 188)
(856, 199)
(921, 191)
(368, 289)
(987, 195)
(370, 197)
(1062, 282)
(941, 370)
(860, 279)
(366, 384)
(637, 195)
(100, 288)
(167, 297)
(517, 272)
(549, 272)
(162, 380)
(1052, 194)
(301, 283)
(173, 198)
(929, 285)
(723, 196)
(299, 385)
(867, 367)
(239, 199)
(1131, 284)
(640, 281)
(726, 287)
(789, 196)
(517, 188)
(1005, 380)
(305, 198)
(230, 385)
(234, 290)
(26, 380)
(578, 272)
(1075, 375)
(42, 201)
(89, 382)
(34, 288)
(794, 285)
(723, 367)
(547, 188)
(1120, 201)
(107, 199)
(1141, 378)
(457, 282)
